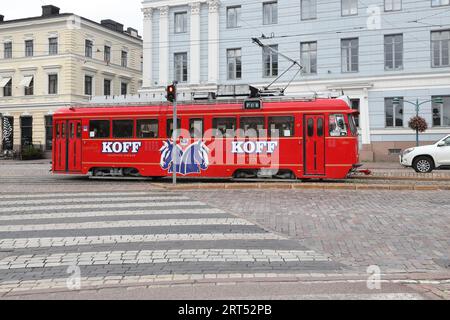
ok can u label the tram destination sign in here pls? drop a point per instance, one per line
(253, 104)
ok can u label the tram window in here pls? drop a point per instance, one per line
(72, 130)
(320, 127)
(253, 127)
(338, 128)
(196, 128)
(78, 130)
(123, 128)
(281, 126)
(352, 124)
(224, 127)
(63, 130)
(57, 131)
(170, 127)
(99, 129)
(147, 128)
(310, 127)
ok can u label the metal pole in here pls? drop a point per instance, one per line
(417, 115)
(175, 136)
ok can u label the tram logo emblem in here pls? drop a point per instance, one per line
(121, 147)
(192, 160)
(254, 147)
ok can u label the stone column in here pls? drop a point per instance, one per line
(213, 41)
(164, 46)
(148, 48)
(366, 153)
(195, 44)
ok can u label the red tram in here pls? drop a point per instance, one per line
(288, 138)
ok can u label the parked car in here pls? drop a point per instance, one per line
(427, 158)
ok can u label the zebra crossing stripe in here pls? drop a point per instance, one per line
(28, 243)
(89, 214)
(103, 205)
(158, 257)
(89, 200)
(125, 224)
(79, 194)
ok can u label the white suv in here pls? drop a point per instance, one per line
(427, 158)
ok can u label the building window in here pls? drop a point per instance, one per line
(349, 7)
(107, 87)
(7, 50)
(438, 3)
(350, 55)
(440, 47)
(48, 132)
(392, 5)
(29, 91)
(180, 22)
(52, 84)
(7, 89)
(270, 61)
(88, 85)
(26, 131)
(88, 48)
(270, 12)
(233, 17)
(393, 52)
(29, 48)
(181, 67)
(124, 59)
(123, 88)
(355, 106)
(107, 54)
(441, 112)
(309, 57)
(393, 111)
(53, 46)
(309, 9)
(234, 63)
(8, 133)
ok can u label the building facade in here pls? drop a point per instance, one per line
(56, 60)
(384, 54)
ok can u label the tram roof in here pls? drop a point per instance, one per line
(272, 104)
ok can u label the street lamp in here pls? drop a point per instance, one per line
(417, 104)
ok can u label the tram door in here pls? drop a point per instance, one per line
(68, 145)
(314, 144)
(60, 147)
(74, 146)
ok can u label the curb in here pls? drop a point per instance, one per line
(303, 186)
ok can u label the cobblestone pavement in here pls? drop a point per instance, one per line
(400, 231)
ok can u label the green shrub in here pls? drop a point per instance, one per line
(32, 153)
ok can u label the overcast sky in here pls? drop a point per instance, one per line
(127, 12)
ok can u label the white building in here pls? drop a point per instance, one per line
(374, 51)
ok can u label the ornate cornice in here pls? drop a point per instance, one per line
(214, 6)
(195, 8)
(148, 13)
(164, 11)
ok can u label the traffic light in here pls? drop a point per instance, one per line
(171, 93)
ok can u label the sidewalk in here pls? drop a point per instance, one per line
(393, 170)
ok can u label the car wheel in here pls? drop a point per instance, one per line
(423, 165)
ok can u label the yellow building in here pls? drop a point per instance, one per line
(56, 60)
